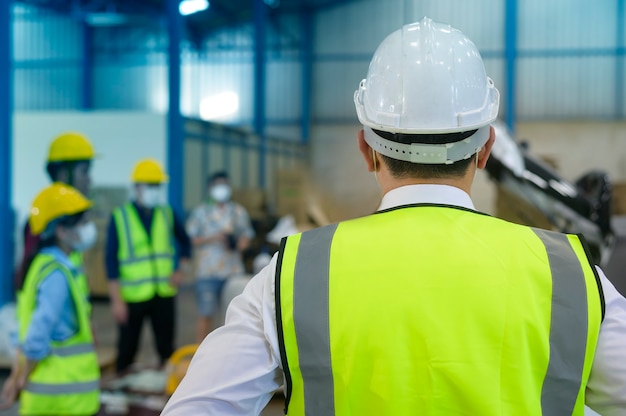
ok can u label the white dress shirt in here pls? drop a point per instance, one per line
(237, 368)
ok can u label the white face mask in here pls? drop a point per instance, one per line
(151, 196)
(87, 236)
(221, 193)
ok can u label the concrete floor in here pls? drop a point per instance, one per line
(185, 334)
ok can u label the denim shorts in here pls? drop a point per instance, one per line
(208, 293)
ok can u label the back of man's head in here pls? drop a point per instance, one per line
(427, 104)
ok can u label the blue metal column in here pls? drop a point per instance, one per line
(6, 152)
(619, 58)
(260, 26)
(86, 101)
(306, 22)
(175, 142)
(510, 61)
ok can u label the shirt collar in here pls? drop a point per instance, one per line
(59, 255)
(426, 194)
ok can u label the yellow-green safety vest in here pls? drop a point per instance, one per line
(436, 310)
(67, 381)
(146, 261)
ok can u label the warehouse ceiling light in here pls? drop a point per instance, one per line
(187, 7)
(219, 106)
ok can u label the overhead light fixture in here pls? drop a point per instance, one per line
(219, 106)
(187, 7)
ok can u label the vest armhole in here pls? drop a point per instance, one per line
(583, 242)
(279, 323)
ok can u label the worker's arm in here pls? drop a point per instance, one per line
(182, 238)
(53, 298)
(236, 368)
(195, 232)
(606, 389)
(183, 264)
(21, 369)
(118, 306)
(244, 229)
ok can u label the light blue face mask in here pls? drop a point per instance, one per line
(221, 193)
(87, 236)
(151, 196)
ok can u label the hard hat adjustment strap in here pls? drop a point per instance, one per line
(429, 154)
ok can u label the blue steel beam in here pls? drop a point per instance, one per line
(306, 23)
(510, 54)
(6, 139)
(260, 27)
(174, 118)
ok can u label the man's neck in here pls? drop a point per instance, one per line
(464, 184)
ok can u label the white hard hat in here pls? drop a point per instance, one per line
(427, 78)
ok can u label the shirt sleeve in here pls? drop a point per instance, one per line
(193, 224)
(52, 295)
(606, 388)
(236, 368)
(111, 261)
(181, 237)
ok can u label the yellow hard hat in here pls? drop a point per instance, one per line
(69, 147)
(56, 201)
(148, 171)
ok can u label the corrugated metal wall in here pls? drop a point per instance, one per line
(570, 59)
(47, 60)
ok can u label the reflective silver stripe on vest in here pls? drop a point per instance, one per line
(72, 350)
(143, 258)
(568, 326)
(144, 280)
(310, 299)
(58, 389)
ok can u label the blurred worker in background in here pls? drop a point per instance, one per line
(56, 369)
(69, 161)
(143, 264)
(427, 306)
(220, 231)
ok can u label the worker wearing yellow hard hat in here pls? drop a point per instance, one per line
(68, 161)
(56, 372)
(144, 265)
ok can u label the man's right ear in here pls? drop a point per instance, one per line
(367, 152)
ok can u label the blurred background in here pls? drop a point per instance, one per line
(264, 89)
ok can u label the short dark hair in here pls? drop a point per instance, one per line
(404, 169)
(222, 174)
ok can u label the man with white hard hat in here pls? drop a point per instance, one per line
(427, 306)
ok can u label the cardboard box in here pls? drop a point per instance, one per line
(253, 200)
(618, 201)
(105, 199)
(291, 193)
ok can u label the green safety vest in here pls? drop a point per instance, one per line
(67, 381)
(436, 310)
(146, 261)
(76, 258)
